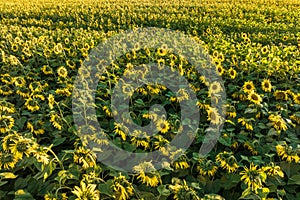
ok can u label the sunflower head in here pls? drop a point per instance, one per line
(248, 87)
(266, 85)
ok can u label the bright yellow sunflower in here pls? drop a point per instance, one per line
(266, 85)
(232, 73)
(255, 98)
(248, 87)
(297, 98)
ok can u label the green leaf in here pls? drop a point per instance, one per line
(106, 188)
(162, 189)
(290, 168)
(230, 180)
(147, 195)
(225, 141)
(250, 110)
(20, 122)
(3, 183)
(295, 179)
(57, 141)
(272, 132)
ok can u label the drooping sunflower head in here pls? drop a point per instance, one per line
(86, 191)
(280, 95)
(147, 174)
(6, 123)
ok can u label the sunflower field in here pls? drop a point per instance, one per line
(254, 47)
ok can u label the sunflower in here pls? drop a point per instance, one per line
(7, 107)
(207, 167)
(266, 85)
(56, 121)
(161, 63)
(32, 104)
(244, 35)
(85, 157)
(107, 111)
(152, 116)
(147, 174)
(118, 129)
(161, 142)
(181, 95)
(215, 54)
(62, 72)
(122, 187)
(147, 51)
(140, 139)
(71, 64)
(67, 40)
(280, 95)
(19, 81)
(255, 98)
(180, 163)
(14, 47)
(232, 73)
(288, 153)
(273, 170)
(213, 116)
(183, 191)
(247, 40)
(86, 191)
(220, 69)
(23, 92)
(221, 57)
(230, 111)
(214, 87)
(6, 123)
(163, 125)
(47, 52)
(51, 101)
(296, 98)
(264, 50)
(295, 118)
(5, 90)
(234, 59)
(227, 161)
(161, 52)
(7, 79)
(278, 123)
(246, 123)
(8, 160)
(251, 148)
(58, 49)
(153, 89)
(64, 91)
(22, 146)
(248, 87)
(253, 177)
(35, 128)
